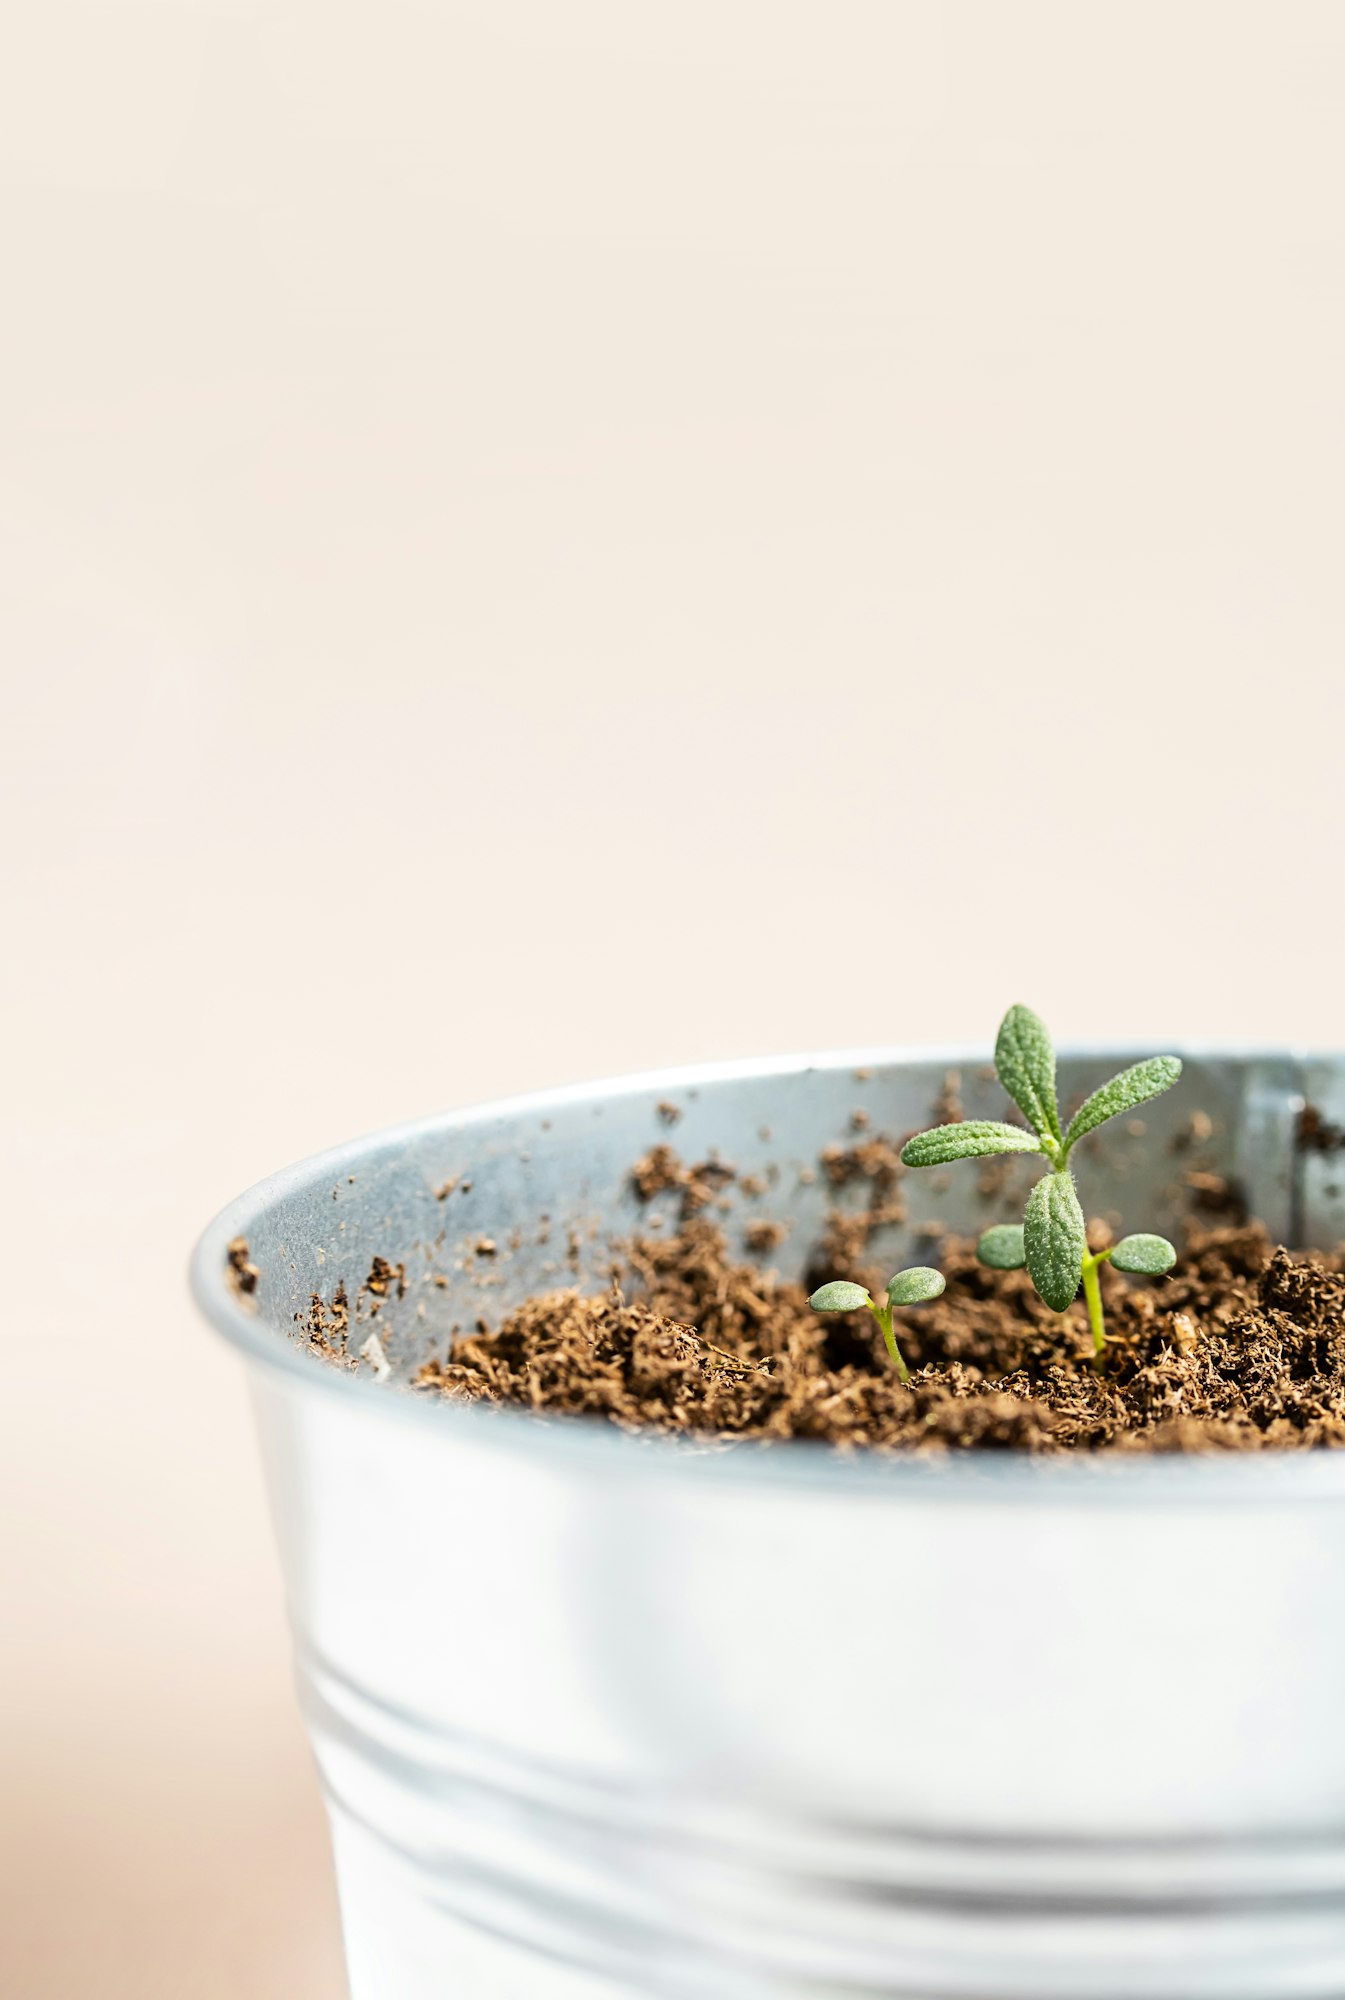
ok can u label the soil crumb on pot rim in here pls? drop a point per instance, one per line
(1240, 1348)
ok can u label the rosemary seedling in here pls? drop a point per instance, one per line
(906, 1288)
(1052, 1238)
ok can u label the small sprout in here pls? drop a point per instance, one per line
(1052, 1240)
(1002, 1248)
(905, 1288)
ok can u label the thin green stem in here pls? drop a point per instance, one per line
(883, 1315)
(1092, 1292)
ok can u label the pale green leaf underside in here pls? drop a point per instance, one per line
(1147, 1256)
(1025, 1065)
(908, 1288)
(1054, 1239)
(972, 1139)
(1133, 1086)
(839, 1297)
(1002, 1247)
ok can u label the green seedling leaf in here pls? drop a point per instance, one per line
(1147, 1256)
(1002, 1247)
(1025, 1065)
(1054, 1239)
(967, 1141)
(1133, 1086)
(839, 1297)
(910, 1288)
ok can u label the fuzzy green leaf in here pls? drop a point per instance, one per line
(1148, 1256)
(1025, 1065)
(839, 1297)
(1054, 1239)
(1002, 1247)
(909, 1288)
(1133, 1086)
(970, 1140)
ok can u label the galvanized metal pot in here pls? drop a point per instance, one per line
(603, 1715)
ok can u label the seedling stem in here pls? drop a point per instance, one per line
(883, 1315)
(1092, 1292)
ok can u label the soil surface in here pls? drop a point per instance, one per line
(1240, 1348)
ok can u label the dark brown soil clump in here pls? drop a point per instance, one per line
(242, 1272)
(1241, 1348)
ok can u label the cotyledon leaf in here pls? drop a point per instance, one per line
(911, 1287)
(1055, 1239)
(1025, 1065)
(1133, 1086)
(839, 1297)
(970, 1140)
(1002, 1247)
(1147, 1256)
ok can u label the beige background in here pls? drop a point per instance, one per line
(544, 538)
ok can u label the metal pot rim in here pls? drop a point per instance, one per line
(1253, 1479)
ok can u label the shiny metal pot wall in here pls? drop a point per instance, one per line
(602, 1715)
